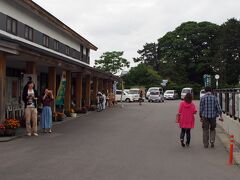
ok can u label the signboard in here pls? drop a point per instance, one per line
(61, 90)
(207, 80)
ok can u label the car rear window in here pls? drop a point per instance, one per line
(186, 91)
(154, 93)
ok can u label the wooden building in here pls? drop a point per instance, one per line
(34, 42)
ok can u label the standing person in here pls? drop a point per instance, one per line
(29, 97)
(186, 112)
(46, 115)
(104, 99)
(209, 111)
(140, 97)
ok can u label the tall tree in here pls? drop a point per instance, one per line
(185, 54)
(227, 52)
(142, 75)
(149, 55)
(112, 62)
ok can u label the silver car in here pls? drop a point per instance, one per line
(155, 96)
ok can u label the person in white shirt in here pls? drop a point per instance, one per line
(104, 99)
(29, 97)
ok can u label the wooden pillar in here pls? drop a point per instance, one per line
(110, 86)
(2, 86)
(95, 89)
(78, 92)
(88, 91)
(105, 86)
(100, 85)
(67, 102)
(31, 68)
(52, 84)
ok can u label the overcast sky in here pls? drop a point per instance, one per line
(126, 25)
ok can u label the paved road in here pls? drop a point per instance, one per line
(130, 143)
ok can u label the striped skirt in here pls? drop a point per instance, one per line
(46, 117)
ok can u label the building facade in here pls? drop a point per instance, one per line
(35, 43)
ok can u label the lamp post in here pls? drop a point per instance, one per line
(217, 77)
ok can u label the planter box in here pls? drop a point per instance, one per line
(2, 132)
(10, 132)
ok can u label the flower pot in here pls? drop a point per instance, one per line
(74, 115)
(10, 132)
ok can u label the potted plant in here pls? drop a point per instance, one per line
(59, 116)
(2, 129)
(11, 126)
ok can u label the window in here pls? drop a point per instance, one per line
(67, 50)
(28, 33)
(84, 51)
(56, 45)
(11, 25)
(81, 48)
(45, 40)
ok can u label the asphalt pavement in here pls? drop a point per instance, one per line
(130, 143)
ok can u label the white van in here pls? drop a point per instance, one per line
(185, 91)
(125, 96)
(135, 93)
(153, 89)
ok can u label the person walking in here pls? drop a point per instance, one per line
(186, 112)
(46, 115)
(140, 97)
(209, 111)
(29, 97)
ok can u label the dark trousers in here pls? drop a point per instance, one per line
(186, 131)
(209, 126)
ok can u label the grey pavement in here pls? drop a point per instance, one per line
(130, 143)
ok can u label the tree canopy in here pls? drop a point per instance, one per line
(112, 62)
(194, 49)
(142, 75)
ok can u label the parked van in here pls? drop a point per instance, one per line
(202, 93)
(153, 89)
(185, 91)
(135, 93)
(124, 96)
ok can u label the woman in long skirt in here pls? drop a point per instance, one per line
(46, 116)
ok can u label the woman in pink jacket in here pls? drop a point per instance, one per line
(186, 121)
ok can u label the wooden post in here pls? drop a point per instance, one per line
(95, 89)
(88, 91)
(2, 86)
(100, 85)
(79, 83)
(110, 86)
(52, 84)
(67, 102)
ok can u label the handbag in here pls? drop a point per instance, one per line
(177, 118)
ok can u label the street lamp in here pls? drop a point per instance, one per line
(217, 77)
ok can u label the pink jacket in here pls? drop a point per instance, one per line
(187, 112)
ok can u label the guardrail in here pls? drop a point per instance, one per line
(229, 100)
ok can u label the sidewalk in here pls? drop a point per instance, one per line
(22, 131)
(226, 128)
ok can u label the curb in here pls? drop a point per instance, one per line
(224, 138)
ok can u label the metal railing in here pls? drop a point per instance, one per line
(229, 100)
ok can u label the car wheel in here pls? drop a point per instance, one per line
(127, 100)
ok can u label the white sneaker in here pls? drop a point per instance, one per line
(35, 134)
(29, 134)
